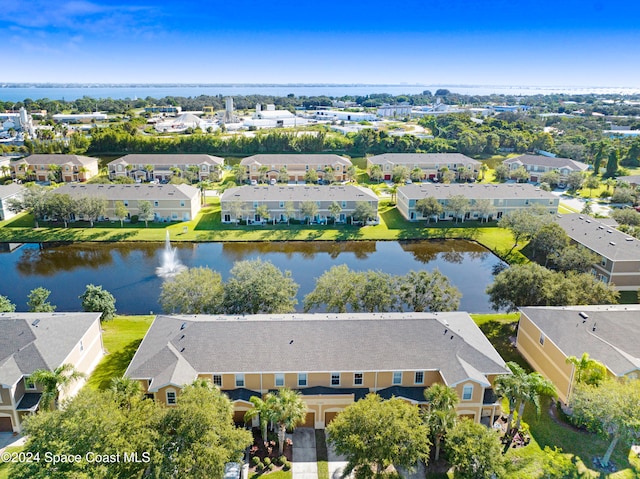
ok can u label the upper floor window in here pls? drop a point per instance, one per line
(467, 392)
(239, 380)
(171, 397)
(419, 377)
(279, 379)
(357, 379)
(155, 203)
(302, 379)
(217, 380)
(397, 377)
(335, 379)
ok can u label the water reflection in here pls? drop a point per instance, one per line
(452, 251)
(306, 249)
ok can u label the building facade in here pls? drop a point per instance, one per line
(33, 341)
(431, 164)
(332, 360)
(168, 202)
(618, 253)
(503, 198)
(297, 166)
(547, 336)
(538, 165)
(7, 193)
(70, 168)
(148, 167)
(281, 201)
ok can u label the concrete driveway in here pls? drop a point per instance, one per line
(304, 464)
(8, 439)
(337, 463)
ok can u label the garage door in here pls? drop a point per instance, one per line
(5, 424)
(238, 417)
(328, 417)
(310, 420)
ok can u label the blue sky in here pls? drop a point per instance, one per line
(498, 42)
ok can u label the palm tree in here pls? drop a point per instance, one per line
(55, 382)
(536, 385)
(483, 170)
(509, 386)
(288, 411)
(125, 389)
(442, 415)
(263, 409)
(587, 370)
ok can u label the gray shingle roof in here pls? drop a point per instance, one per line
(130, 192)
(298, 193)
(448, 342)
(53, 159)
(168, 159)
(424, 158)
(30, 341)
(548, 162)
(10, 190)
(442, 191)
(609, 334)
(631, 179)
(290, 159)
(599, 237)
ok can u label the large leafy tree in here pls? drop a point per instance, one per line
(364, 212)
(6, 306)
(308, 210)
(92, 207)
(429, 207)
(37, 301)
(145, 211)
(193, 291)
(121, 211)
(257, 286)
(287, 410)
(474, 450)
(96, 299)
(336, 289)
(550, 240)
(35, 199)
(459, 205)
(373, 433)
(428, 291)
(441, 415)
(610, 410)
(524, 224)
(54, 382)
(198, 436)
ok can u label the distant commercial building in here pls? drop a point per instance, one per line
(393, 111)
(341, 115)
(175, 110)
(80, 117)
(71, 167)
(504, 198)
(147, 167)
(272, 118)
(430, 163)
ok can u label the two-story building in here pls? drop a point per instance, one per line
(503, 198)
(7, 193)
(332, 359)
(538, 165)
(431, 164)
(547, 336)
(282, 201)
(296, 165)
(168, 202)
(618, 252)
(68, 167)
(32, 341)
(161, 167)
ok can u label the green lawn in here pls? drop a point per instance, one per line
(322, 455)
(272, 475)
(121, 337)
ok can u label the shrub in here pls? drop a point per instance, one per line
(255, 460)
(134, 218)
(286, 466)
(282, 459)
(270, 467)
(267, 461)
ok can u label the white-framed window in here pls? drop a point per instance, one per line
(155, 203)
(419, 377)
(541, 339)
(397, 377)
(302, 379)
(344, 204)
(171, 397)
(126, 202)
(279, 379)
(217, 380)
(239, 380)
(467, 392)
(358, 379)
(81, 346)
(29, 383)
(603, 261)
(335, 379)
(182, 203)
(282, 204)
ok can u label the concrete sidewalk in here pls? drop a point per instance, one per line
(337, 463)
(304, 464)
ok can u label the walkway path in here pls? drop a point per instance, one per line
(304, 464)
(337, 463)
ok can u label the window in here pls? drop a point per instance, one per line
(29, 383)
(126, 202)
(182, 203)
(335, 379)
(155, 203)
(419, 377)
(217, 380)
(282, 204)
(603, 261)
(239, 380)
(344, 204)
(302, 379)
(81, 346)
(397, 377)
(279, 379)
(171, 397)
(467, 392)
(227, 218)
(357, 379)
(541, 339)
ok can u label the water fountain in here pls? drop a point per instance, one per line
(170, 265)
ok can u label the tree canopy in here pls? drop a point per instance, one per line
(96, 299)
(474, 450)
(193, 291)
(37, 301)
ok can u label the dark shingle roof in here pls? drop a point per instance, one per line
(411, 393)
(609, 333)
(29, 402)
(600, 237)
(241, 394)
(448, 342)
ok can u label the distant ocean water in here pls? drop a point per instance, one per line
(8, 93)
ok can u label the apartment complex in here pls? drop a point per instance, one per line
(68, 168)
(431, 164)
(297, 166)
(538, 165)
(161, 167)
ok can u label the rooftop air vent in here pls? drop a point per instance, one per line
(35, 323)
(583, 315)
(612, 243)
(184, 325)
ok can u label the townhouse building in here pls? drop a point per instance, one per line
(296, 165)
(69, 168)
(161, 167)
(431, 164)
